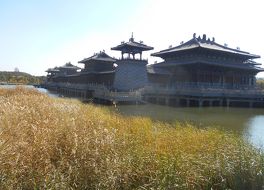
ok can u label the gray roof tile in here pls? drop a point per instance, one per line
(205, 44)
(101, 56)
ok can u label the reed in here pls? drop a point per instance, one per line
(52, 143)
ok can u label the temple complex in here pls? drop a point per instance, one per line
(199, 72)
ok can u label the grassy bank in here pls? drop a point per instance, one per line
(48, 143)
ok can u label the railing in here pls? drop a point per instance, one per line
(205, 89)
(199, 85)
(118, 96)
(136, 59)
(88, 86)
(184, 89)
(102, 91)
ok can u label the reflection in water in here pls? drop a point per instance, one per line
(243, 121)
(255, 131)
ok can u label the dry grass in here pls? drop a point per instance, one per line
(48, 143)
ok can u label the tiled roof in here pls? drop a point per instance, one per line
(69, 66)
(132, 45)
(102, 56)
(53, 70)
(205, 44)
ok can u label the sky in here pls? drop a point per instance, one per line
(36, 35)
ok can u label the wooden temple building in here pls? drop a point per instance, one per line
(202, 72)
(199, 72)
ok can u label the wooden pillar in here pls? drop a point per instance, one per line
(250, 104)
(167, 101)
(197, 77)
(200, 103)
(227, 102)
(221, 103)
(188, 102)
(177, 102)
(249, 81)
(254, 80)
(155, 100)
(210, 103)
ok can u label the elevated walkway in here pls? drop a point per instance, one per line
(204, 95)
(97, 92)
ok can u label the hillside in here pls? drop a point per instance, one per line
(19, 78)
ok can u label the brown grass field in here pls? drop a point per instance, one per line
(52, 143)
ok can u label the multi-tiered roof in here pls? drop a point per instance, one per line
(207, 51)
(99, 62)
(132, 47)
(69, 66)
(101, 56)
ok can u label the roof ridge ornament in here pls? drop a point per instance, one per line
(132, 38)
(204, 37)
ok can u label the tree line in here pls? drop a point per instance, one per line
(20, 78)
(260, 83)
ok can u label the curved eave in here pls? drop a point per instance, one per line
(87, 61)
(130, 46)
(95, 72)
(70, 68)
(163, 54)
(52, 71)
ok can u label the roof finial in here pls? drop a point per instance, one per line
(132, 38)
(204, 37)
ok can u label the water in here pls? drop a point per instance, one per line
(246, 122)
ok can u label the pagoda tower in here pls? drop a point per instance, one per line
(131, 72)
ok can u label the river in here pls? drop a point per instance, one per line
(246, 122)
